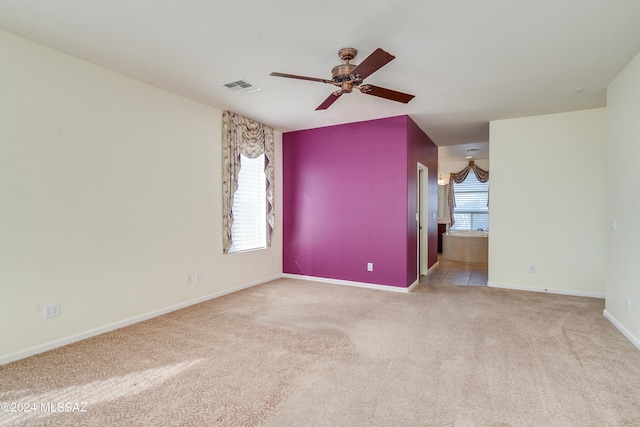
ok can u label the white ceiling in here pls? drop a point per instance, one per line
(467, 61)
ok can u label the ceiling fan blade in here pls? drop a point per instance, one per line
(330, 100)
(386, 93)
(293, 76)
(373, 63)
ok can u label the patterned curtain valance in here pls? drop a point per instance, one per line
(241, 135)
(458, 177)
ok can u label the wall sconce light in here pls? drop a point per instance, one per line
(440, 180)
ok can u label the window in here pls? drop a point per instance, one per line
(471, 211)
(249, 229)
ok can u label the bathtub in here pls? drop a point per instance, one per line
(466, 246)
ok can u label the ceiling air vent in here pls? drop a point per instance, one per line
(242, 86)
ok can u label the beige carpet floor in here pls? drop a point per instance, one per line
(297, 353)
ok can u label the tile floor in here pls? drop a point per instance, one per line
(458, 273)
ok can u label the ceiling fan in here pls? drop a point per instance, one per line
(349, 76)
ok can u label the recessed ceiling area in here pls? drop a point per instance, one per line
(466, 62)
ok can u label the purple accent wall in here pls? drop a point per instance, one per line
(350, 199)
(421, 149)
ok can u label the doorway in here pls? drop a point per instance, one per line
(422, 218)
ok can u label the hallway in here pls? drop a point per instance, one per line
(457, 273)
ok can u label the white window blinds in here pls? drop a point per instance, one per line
(249, 229)
(471, 211)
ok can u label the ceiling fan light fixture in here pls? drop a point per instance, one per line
(346, 87)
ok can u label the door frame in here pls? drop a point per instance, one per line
(422, 219)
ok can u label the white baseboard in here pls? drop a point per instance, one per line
(413, 285)
(433, 267)
(350, 283)
(546, 290)
(22, 354)
(635, 341)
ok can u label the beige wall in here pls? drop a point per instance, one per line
(110, 195)
(547, 203)
(623, 202)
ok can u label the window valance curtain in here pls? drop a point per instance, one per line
(459, 177)
(241, 135)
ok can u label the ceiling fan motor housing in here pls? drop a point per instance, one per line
(342, 72)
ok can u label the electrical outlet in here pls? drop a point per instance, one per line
(627, 302)
(52, 310)
(189, 279)
(532, 269)
(369, 266)
(197, 277)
